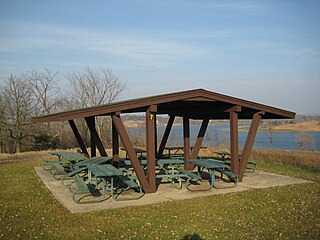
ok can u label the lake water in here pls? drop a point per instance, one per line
(219, 135)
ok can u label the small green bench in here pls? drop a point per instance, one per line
(253, 168)
(47, 164)
(58, 169)
(81, 187)
(193, 177)
(232, 177)
(130, 185)
(70, 175)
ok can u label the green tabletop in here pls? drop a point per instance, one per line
(70, 156)
(106, 170)
(169, 161)
(208, 163)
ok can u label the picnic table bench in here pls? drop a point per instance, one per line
(83, 188)
(190, 177)
(47, 164)
(57, 169)
(71, 175)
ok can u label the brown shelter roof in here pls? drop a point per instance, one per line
(195, 104)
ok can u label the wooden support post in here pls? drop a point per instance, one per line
(150, 145)
(197, 145)
(131, 153)
(155, 136)
(115, 145)
(234, 146)
(249, 143)
(166, 135)
(78, 137)
(186, 143)
(95, 139)
(91, 123)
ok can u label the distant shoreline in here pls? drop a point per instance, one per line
(312, 126)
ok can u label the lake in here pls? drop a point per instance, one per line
(219, 136)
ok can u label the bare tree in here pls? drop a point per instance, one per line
(45, 91)
(270, 136)
(305, 141)
(46, 94)
(92, 87)
(17, 95)
(3, 128)
(95, 87)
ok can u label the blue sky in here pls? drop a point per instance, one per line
(264, 51)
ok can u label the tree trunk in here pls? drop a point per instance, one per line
(18, 147)
(1, 147)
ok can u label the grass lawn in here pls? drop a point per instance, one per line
(28, 210)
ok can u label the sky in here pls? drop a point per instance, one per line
(263, 51)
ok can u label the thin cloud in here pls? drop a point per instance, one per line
(141, 49)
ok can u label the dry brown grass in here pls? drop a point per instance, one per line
(25, 156)
(303, 159)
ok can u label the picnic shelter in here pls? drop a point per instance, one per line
(198, 104)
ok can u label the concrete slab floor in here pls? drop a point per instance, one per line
(166, 191)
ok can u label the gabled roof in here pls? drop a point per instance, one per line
(195, 104)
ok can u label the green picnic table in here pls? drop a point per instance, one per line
(106, 174)
(213, 166)
(226, 156)
(136, 150)
(176, 149)
(166, 169)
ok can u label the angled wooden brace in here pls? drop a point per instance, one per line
(78, 137)
(95, 139)
(249, 143)
(131, 153)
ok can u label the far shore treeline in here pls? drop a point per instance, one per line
(36, 93)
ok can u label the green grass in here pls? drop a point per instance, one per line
(28, 210)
